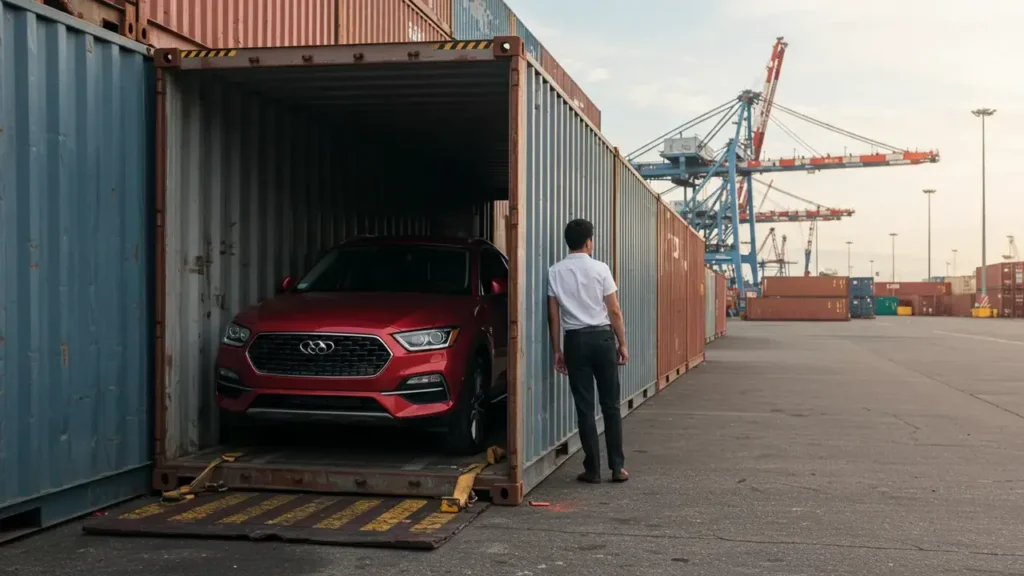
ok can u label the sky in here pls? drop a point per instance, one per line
(904, 72)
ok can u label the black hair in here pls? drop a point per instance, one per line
(577, 233)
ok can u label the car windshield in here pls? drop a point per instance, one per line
(393, 268)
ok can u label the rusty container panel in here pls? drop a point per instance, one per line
(908, 289)
(960, 305)
(805, 286)
(790, 309)
(499, 231)
(386, 21)
(673, 296)
(570, 87)
(76, 308)
(242, 23)
(636, 268)
(925, 305)
(1000, 277)
(481, 19)
(696, 291)
(721, 303)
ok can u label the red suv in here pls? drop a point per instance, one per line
(381, 330)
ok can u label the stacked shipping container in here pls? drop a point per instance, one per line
(862, 297)
(801, 298)
(223, 157)
(1004, 287)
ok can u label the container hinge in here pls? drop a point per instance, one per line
(513, 217)
(513, 329)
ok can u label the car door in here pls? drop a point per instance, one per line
(493, 266)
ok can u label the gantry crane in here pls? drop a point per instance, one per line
(717, 182)
(777, 257)
(1012, 255)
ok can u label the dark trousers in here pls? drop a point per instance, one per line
(591, 355)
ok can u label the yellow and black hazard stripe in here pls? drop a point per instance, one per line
(466, 45)
(208, 53)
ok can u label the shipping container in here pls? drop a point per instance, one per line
(797, 308)
(960, 305)
(1001, 277)
(908, 289)
(266, 158)
(963, 285)
(862, 287)
(696, 292)
(722, 303)
(806, 286)
(563, 79)
(886, 305)
(636, 273)
(75, 266)
(862, 307)
(388, 21)
(673, 295)
(926, 305)
(1007, 304)
(482, 19)
(710, 317)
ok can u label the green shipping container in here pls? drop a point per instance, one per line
(886, 305)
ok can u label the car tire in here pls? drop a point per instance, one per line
(467, 429)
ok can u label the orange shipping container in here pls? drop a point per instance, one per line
(389, 21)
(672, 295)
(806, 286)
(788, 309)
(908, 289)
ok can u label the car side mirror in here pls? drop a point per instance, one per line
(286, 285)
(499, 286)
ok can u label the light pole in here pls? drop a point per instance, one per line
(893, 234)
(872, 268)
(929, 192)
(849, 267)
(983, 113)
(954, 261)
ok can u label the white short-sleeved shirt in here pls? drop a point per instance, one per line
(580, 284)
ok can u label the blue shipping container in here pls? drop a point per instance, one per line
(862, 307)
(862, 287)
(481, 19)
(75, 231)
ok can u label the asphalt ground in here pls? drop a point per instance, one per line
(888, 446)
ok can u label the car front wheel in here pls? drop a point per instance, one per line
(467, 430)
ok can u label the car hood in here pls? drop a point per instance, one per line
(349, 311)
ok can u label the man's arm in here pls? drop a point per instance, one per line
(554, 325)
(611, 302)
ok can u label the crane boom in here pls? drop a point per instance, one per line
(807, 252)
(764, 110)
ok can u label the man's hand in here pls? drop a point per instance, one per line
(560, 363)
(623, 354)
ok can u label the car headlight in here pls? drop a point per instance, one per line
(236, 335)
(432, 339)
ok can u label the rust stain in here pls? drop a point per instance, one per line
(64, 353)
(198, 266)
(34, 266)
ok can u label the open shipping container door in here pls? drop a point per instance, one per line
(267, 157)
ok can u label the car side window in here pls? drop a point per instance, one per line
(492, 267)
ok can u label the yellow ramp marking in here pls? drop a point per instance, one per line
(302, 512)
(262, 507)
(146, 511)
(348, 514)
(433, 522)
(207, 509)
(387, 520)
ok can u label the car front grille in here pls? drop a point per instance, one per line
(352, 404)
(341, 356)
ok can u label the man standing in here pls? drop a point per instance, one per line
(583, 299)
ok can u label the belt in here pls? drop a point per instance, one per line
(585, 329)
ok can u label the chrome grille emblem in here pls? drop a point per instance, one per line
(317, 347)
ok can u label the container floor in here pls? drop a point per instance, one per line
(337, 459)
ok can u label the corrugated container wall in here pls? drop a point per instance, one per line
(481, 19)
(75, 306)
(696, 292)
(673, 295)
(563, 79)
(722, 302)
(243, 23)
(709, 305)
(569, 174)
(384, 21)
(531, 42)
(796, 308)
(637, 275)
